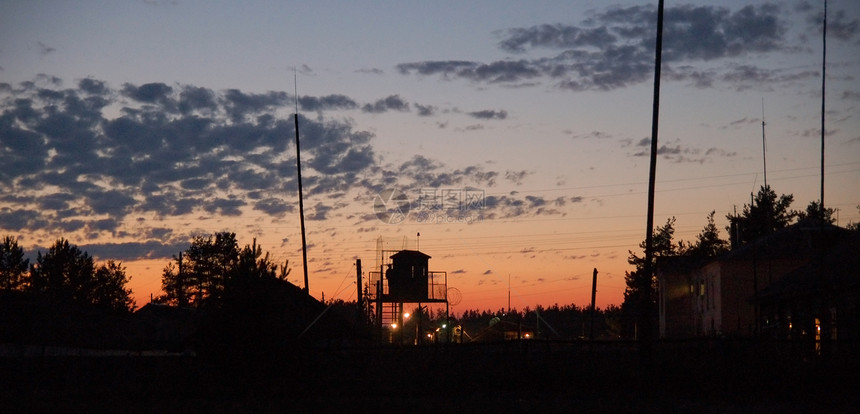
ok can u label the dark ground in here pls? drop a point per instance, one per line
(527, 376)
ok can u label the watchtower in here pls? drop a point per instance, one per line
(403, 277)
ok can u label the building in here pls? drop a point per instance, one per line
(746, 291)
(819, 301)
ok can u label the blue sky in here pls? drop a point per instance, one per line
(129, 127)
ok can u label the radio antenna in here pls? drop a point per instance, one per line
(823, 89)
(763, 143)
(299, 176)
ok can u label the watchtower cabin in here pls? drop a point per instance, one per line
(408, 276)
(403, 278)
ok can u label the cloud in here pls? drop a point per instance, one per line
(504, 71)
(516, 177)
(449, 67)
(613, 48)
(674, 151)
(135, 250)
(850, 95)
(489, 114)
(196, 99)
(371, 71)
(390, 103)
(149, 93)
(329, 102)
(425, 110)
(45, 49)
(842, 29)
(95, 160)
(555, 36)
(838, 25)
(167, 151)
(92, 86)
(239, 104)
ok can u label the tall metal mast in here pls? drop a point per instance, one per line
(645, 280)
(763, 143)
(823, 80)
(299, 175)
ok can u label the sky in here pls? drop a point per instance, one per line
(513, 137)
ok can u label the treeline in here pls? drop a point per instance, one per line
(213, 268)
(65, 273)
(229, 298)
(551, 322)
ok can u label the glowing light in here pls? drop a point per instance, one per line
(393, 326)
(406, 315)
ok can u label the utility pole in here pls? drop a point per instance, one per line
(358, 286)
(181, 300)
(593, 297)
(645, 308)
(301, 198)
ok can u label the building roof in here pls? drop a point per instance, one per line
(801, 239)
(409, 253)
(804, 239)
(835, 270)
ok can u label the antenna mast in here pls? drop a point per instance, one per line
(763, 143)
(823, 79)
(299, 175)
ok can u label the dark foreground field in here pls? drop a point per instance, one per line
(509, 377)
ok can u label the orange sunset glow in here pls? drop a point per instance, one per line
(132, 133)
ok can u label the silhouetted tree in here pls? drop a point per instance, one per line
(854, 226)
(172, 284)
(64, 271)
(13, 265)
(67, 273)
(109, 288)
(640, 293)
(766, 214)
(814, 213)
(708, 242)
(210, 262)
(252, 264)
(201, 275)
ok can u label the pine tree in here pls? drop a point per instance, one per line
(13, 265)
(766, 214)
(67, 273)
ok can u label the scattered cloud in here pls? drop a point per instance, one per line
(426, 110)
(613, 48)
(489, 114)
(95, 159)
(328, 102)
(674, 151)
(45, 49)
(391, 103)
(371, 71)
